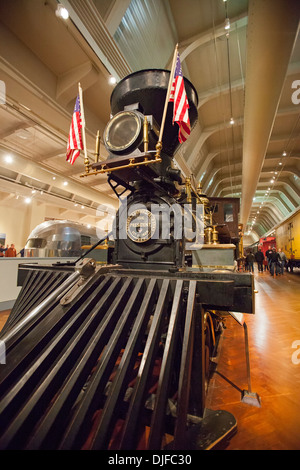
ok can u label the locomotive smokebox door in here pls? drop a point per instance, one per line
(147, 229)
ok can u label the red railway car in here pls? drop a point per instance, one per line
(266, 242)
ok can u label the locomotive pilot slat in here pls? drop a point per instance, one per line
(133, 419)
(38, 289)
(157, 421)
(32, 319)
(61, 351)
(185, 369)
(119, 385)
(33, 348)
(78, 428)
(20, 303)
(96, 329)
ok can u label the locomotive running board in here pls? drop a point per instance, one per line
(96, 371)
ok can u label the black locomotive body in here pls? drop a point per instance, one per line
(131, 138)
(117, 357)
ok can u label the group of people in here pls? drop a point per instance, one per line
(277, 260)
(274, 261)
(8, 252)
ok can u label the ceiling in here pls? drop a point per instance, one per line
(250, 73)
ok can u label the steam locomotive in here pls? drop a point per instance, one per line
(118, 356)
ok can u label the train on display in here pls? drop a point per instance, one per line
(66, 239)
(118, 356)
(286, 236)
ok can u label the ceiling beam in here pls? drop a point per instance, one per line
(89, 22)
(272, 30)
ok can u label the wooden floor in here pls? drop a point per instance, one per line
(275, 378)
(3, 317)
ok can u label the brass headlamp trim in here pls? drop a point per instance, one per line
(132, 163)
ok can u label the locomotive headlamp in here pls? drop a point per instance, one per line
(124, 132)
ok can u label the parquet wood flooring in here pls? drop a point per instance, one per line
(3, 317)
(274, 377)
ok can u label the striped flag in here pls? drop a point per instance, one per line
(181, 105)
(75, 143)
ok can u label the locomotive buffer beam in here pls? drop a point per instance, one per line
(79, 374)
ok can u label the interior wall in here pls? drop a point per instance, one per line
(17, 223)
(12, 223)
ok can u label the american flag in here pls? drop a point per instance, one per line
(75, 137)
(181, 105)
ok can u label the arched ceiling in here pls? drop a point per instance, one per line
(250, 73)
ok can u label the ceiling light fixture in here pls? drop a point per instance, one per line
(8, 159)
(227, 24)
(112, 80)
(62, 12)
(28, 200)
(231, 121)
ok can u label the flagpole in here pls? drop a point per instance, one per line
(86, 159)
(159, 143)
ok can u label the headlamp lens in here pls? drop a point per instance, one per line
(123, 132)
